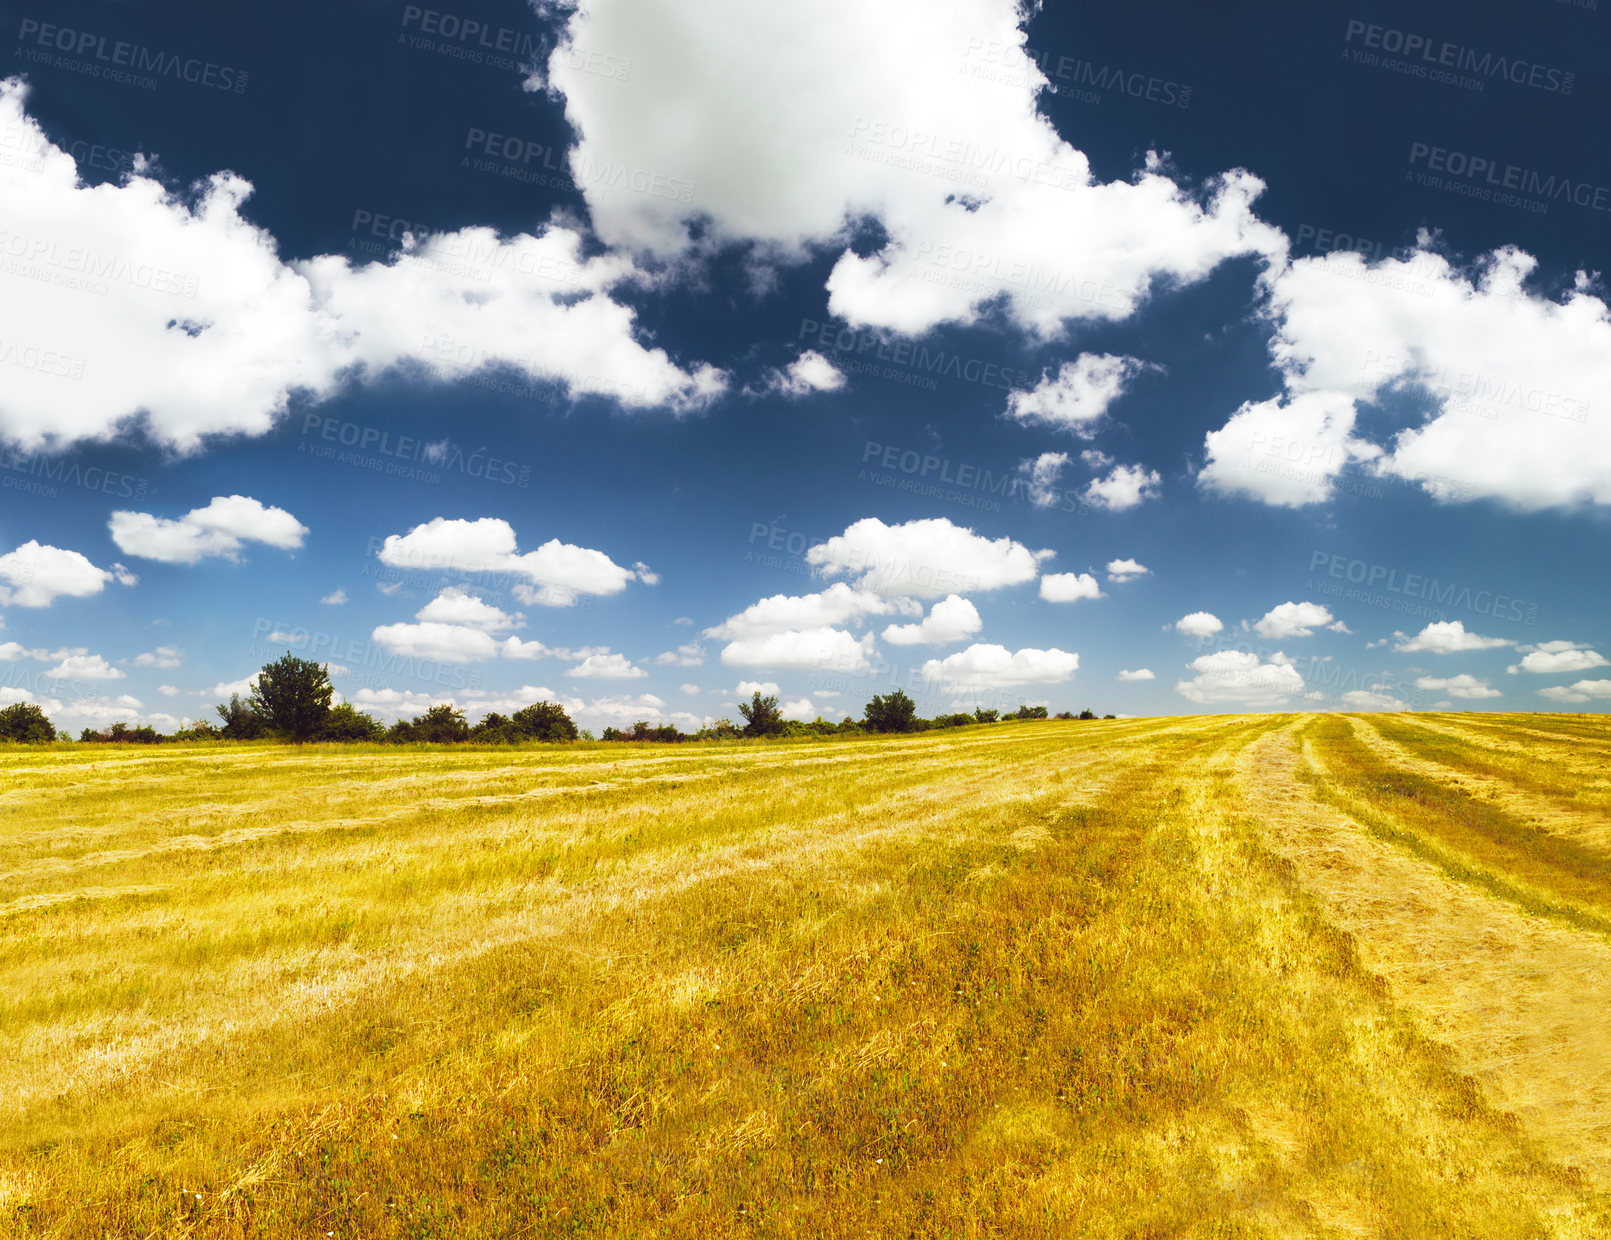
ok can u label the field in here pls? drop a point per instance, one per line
(1216, 977)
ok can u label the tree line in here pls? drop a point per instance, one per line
(291, 700)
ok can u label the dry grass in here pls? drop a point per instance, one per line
(1033, 980)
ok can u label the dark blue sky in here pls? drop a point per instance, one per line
(355, 122)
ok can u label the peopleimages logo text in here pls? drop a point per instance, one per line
(1481, 170)
(1446, 55)
(1420, 586)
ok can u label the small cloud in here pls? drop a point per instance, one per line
(1125, 570)
(335, 598)
(1199, 624)
(1141, 673)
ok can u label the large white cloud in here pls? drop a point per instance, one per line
(989, 666)
(141, 305)
(555, 575)
(85, 667)
(1558, 656)
(949, 620)
(1069, 587)
(1578, 691)
(839, 604)
(819, 649)
(1076, 398)
(792, 122)
(1241, 676)
(606, 666)
(928, 558)
(36, 574)
(219, 529)
(1507, 377)
(1293, 620)
(1447, 637)
(1199, 624)
(456, 605)
(444, 643)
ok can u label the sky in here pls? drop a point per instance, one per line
(638, 354)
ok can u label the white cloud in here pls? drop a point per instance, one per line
(84, 667)
(1372, 699)
(1141, 673)
(862, 107)
(988, 666)
(839, 604)
(1126, 486)
(799, 708)
(766, 688)
(1464, 685)
(606, 667)
(1040, 475)
(1199, 624)
(810, 372)
(1447, 637)
(219, 529)
(443, 643)
(625, 709)
(1069, 587)
(162, 656)
(201, 329)
(228, 688)
(1286, 451)
(823, 649)
(1504, 374)
(1579, 691)
(168, 690)
(1240, 676)
(949, 620)
(36, 574)
(456, 605)
(1124, 570)
(515, 648)
(393, 704)
(690, 690)
(1293, 620)
(928, 558)
(1077, 398)
(689, 655)
(335, 598)
(1551, 657)
(558, 573)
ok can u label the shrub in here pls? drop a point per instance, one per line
(25, 722)
(345, 722)
(894, 712)
(761, 716)
(443, 724)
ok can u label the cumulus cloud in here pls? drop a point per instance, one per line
(690, 655)
(858, 103)
(1040, 474)
(555, 575)
(1241, 676)
(84, 667)
(201, 329)
(443, 643)
(988, 666)
(1286, 451)
(799, 708)
(1447, 637)
(35, 575)
(1077, 397)
(456, 605)
(335, 598)
(1559, 656)
(1578, 691)
(1464, 685)
(823, 649)
(219, 529)
(606, 666)
(162, 656)
(1140, 673)
(839, 604)
(928, 558)
(808, 373)
(1069, 587)
(1125, 570)
(766, 688)
(1293, 620)
(1126, 486)
(1199, 624)
(949, 620)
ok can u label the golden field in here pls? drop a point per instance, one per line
(1229, 976)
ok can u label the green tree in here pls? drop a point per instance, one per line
(25, 722)
(241, 722)
(443, 724)
(981, 715)
(893, 712)
(293, 697)
(345, 722)
(761, 715)
(544, 721)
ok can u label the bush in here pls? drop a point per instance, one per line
(982, 715)
(27, 723)
(241, 722)
(345, 722)
(1028, 712)
(644, 731)
(544, 721)
(123, 734)
(761, 716)
(892, 713)
(953, 721)
(443, 724)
